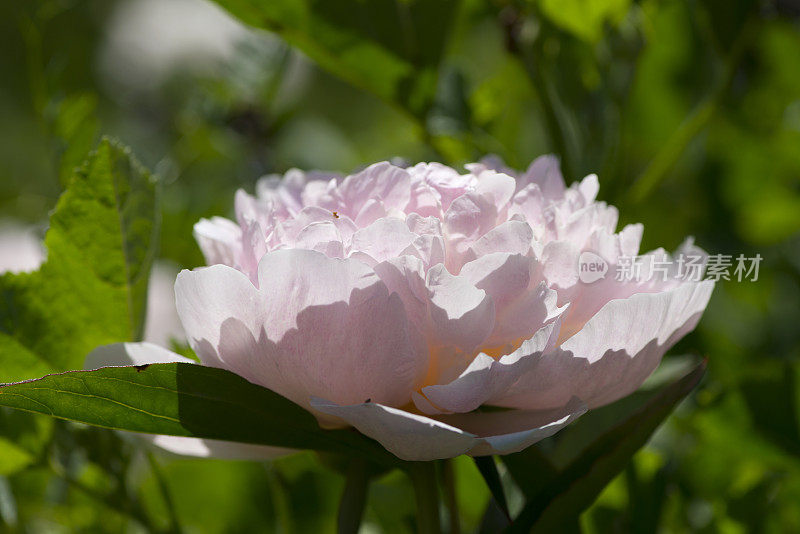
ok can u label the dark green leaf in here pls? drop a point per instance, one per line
(388, 47)
(569, 491)
(92, 289)
(771, 395)
(488, 470)
(182, 399)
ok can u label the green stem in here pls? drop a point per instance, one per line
(423, 477)
(280, 502)
(354, 497)
(448, 481)
(174, 523)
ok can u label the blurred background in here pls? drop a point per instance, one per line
(689, 111)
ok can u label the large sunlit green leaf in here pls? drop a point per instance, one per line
(92, 288)
(184, 400)
(389, 47)
(557, 494)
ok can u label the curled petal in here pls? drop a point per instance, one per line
(383, 181)
(545, 172)
(462, 313)
(383, 239)
(486, 378)
(219, 240)
(414, 437)
(614, 352)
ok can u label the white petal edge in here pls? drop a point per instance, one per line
(415, 437)
(617, 349)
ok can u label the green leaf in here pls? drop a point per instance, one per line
(771, 396)
(488, 470)
(563, 493)
(92, 289)
(389, 47)
(584, 18)
(183, 399)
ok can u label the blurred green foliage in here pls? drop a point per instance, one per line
(689, 110)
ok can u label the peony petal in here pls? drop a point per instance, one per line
(408, 436)
(294, 335)
(491, 162)
(323, 237)
(219, 240)
(468, 218)
(523, 302)
(206, 298)
(379, 182)
(424, 201)
(507, 432)
(545, 172)
(502, 275)
(487, 378)
(589, 187)
(511, 236)
(213, 448)
(414, 437)
(405, 276)
(497, 186)
(385, 238)
(529, 205)
(447, 183)
(462, 313)
(614, 352)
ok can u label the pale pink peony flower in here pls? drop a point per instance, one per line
(399, 301)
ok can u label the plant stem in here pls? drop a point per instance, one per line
(174, 523)
(280, 501)
(448, 481)
(354, 497)
(423, 477)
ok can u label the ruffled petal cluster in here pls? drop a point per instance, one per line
(400, 300)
